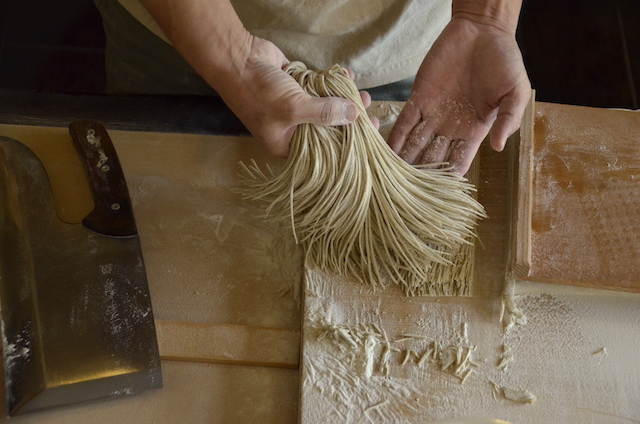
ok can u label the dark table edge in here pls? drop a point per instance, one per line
(179, 114)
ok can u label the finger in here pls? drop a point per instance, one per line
(366, 98)
(352, 74)
(510, 112)
(375, 121)
(436, 151)
(327, 111)
(407, 120)
(416, 142)
(462, 154)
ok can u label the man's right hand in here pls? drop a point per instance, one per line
(246, 71)
(271, 104)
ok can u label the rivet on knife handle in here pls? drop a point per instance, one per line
(113, 214)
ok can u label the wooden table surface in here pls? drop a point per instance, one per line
(210, 261)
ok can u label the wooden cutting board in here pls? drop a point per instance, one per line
(580, 176)
(576, 354)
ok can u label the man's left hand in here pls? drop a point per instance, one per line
(471, 83)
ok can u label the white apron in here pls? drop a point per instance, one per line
(382, 41)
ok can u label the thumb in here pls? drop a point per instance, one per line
(328, 111)
(510, 112)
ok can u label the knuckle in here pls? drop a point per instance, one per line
(289, 111)
(329, 112)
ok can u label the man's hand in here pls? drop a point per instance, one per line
(271, 104)
(471, 83)
(246, 71)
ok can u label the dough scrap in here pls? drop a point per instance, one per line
(517, 395)
(358, 209)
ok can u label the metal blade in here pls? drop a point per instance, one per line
(77, 321)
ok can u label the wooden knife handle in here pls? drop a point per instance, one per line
(113, 213)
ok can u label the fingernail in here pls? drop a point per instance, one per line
(350, 112)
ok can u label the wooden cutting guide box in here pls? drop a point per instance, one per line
(576, 197)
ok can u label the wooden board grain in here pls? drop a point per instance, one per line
(521, 166)
(585, 197)
(228, 344)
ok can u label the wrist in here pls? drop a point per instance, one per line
(501, 14)
(225, 60)
(207, 33)
(219, 53)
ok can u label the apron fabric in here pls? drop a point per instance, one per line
(382, 41)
